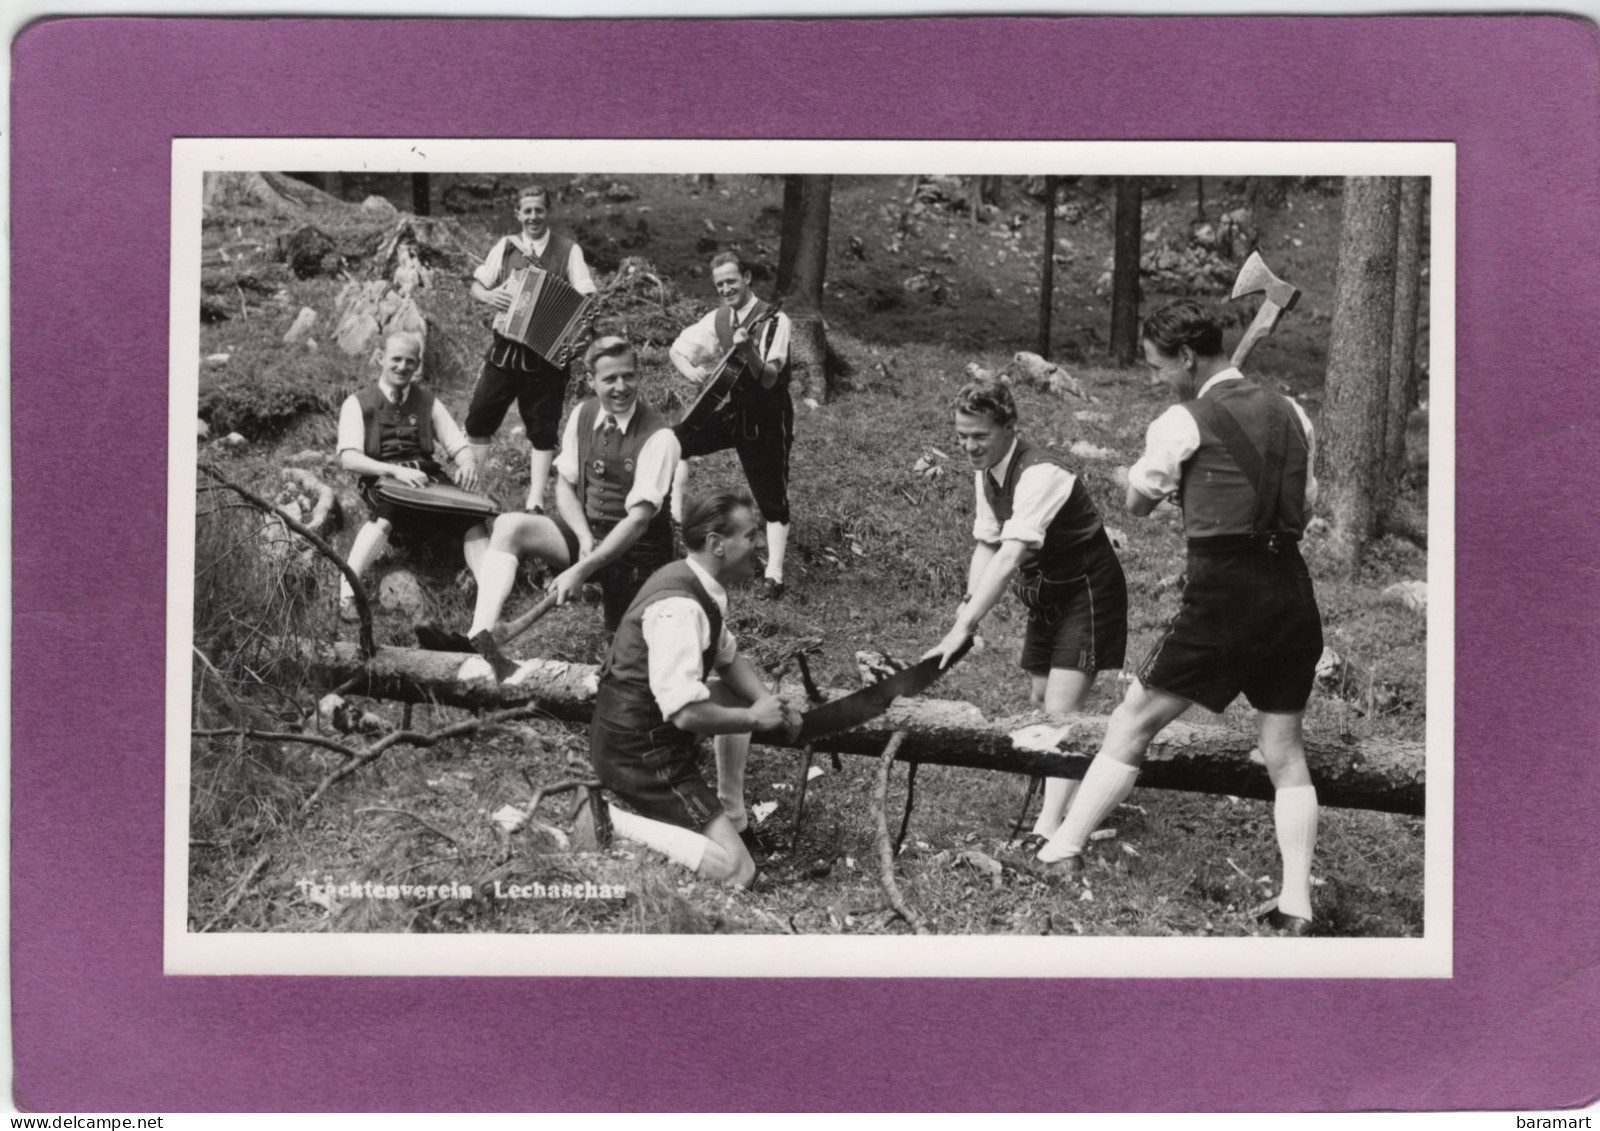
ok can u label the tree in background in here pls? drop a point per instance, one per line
(1125, 270)
(1047, 270)
(1407, 301)
(421, 194)
(1351, 447)
(805, 248)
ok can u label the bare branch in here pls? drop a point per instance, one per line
(885, 851)
(238, 892)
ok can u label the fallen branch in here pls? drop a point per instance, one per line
(438, 832)
(1370, 773)
(363, 609)
(885, 851)
(238, 892)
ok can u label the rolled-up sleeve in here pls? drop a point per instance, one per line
(1041, 491)
(778, 343)
(352, 432)
(578, 271)
(652, 475)
(490, 271)
(567, 459)
(698, 343)
(446, 431)
(1171, 438)
(985, 527)
(676, 635)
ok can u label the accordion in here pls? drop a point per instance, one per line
(547, 315)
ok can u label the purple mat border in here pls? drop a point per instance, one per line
(97, 1026)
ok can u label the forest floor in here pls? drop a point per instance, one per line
(877, 561)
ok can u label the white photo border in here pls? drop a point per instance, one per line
(967, 956)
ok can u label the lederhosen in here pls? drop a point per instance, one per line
(607, 462)
(513, 372)
(759, 425)
(650, 765)
(1248, 620)
(1072, 585)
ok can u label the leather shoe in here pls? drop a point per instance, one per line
(1291, 925)
(1032, 843)
(1066, 870)
(755, 843)
(771, 590)
(436, 639)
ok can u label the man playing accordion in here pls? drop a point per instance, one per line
(513, 371)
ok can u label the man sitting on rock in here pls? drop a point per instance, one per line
(394, 429)
(613, 474)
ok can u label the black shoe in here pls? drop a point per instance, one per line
(485, 645)
(535, 509)
(1032, 843)
(770, 590)
(1065, 870)
(1291, 925)
(436, 639)
(755, 843)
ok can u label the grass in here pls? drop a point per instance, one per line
(877, 560)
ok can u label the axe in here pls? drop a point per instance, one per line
(1255, 277)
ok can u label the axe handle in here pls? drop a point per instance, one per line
(516, 628)
(1266, 320)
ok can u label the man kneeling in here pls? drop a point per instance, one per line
(674, 673)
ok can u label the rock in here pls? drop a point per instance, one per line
(204, 431)
(1317, 528)
(217, 359)
(302, 325)
(1204, 235)
(379, 206)
(234, 440)
(1330, 666)
(1102, 285)
(918, 283)
(1085, 450)
(1411, 595)
(1085, 416)
(401, 592)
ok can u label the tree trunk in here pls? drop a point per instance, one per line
(808, 342)
(1403, 354)
(1047, 270)
(1351, 445)
(1371, 774)
(1125, 271)
(1200, 199)
(789, 232)
(421, 194)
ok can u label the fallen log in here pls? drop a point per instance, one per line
(1374, 774)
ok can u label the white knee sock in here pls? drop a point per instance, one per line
(472, 549)
(1105, 785)
(777, 544)
(367, 545)
(1294, 812)
(680, 845)
(497, 573)
(733, 750)
(1058, 793)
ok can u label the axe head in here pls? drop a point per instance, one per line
(1256, 277)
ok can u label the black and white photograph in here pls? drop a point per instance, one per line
(974, 559)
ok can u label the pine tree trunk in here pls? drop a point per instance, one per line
(1047, 270)
(421, 194)
(808, 343)
(1125, 271)
(1351, 444)
(1373, 773)
(1403, 359)
(789, 232)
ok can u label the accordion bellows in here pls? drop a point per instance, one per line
(546, 315)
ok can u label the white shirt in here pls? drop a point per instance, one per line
(677, 633)
(698, 343)
(353, 429)
(489, 274)
(1174, 436)
(652, 474)
(1041, 492)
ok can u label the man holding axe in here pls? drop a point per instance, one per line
(613, 474)
(1239, 460)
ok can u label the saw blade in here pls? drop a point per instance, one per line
(870, 702)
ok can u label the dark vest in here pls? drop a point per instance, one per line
(606, 465)
(1218, 496)
(1071, 534)
(625, 698)
(722, 321)
(397, 432)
